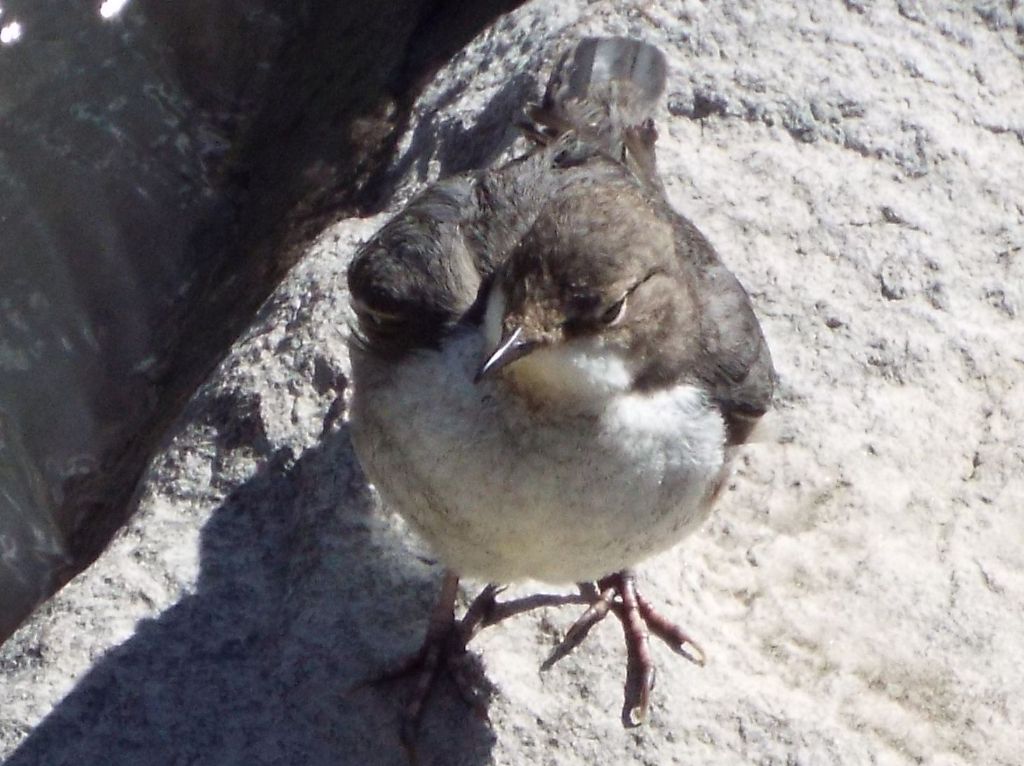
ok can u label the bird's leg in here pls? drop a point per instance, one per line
(425, 660)
(473, 692)
(425, 663)
(444, 647)
(617, 593)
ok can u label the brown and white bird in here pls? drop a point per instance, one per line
(552, 366)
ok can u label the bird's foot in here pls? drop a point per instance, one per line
(617, 593)
(443, 650)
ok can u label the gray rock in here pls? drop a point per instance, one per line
(859, 586)
(159, 172)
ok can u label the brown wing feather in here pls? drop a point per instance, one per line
(733, 361)
(418, 275)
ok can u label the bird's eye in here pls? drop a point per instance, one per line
(613, 315)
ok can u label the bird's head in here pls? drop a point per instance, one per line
(579, 307)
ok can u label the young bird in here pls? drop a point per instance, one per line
(552, 367)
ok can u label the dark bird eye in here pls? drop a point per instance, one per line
(615, 312)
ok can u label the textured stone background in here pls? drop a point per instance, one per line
(860, 590)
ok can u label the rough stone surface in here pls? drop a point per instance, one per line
(860, 589)
(162, 166)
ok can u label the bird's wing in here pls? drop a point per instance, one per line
(732, 359)
(419, 274)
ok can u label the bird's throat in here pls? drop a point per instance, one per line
(580, 376)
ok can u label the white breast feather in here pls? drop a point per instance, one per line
(504, 489)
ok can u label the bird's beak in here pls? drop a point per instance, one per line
(513, 347)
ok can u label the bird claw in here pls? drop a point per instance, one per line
(639, 685)
(677, 639)
(617, 593)
(444, 647)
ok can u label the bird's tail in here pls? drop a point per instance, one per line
(604, 91)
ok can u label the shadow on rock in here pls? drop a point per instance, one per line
(457, 148)
(303, 593)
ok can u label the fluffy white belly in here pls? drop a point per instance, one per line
(504, 490)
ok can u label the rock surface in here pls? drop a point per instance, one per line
(860, 589)
(161, 168)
